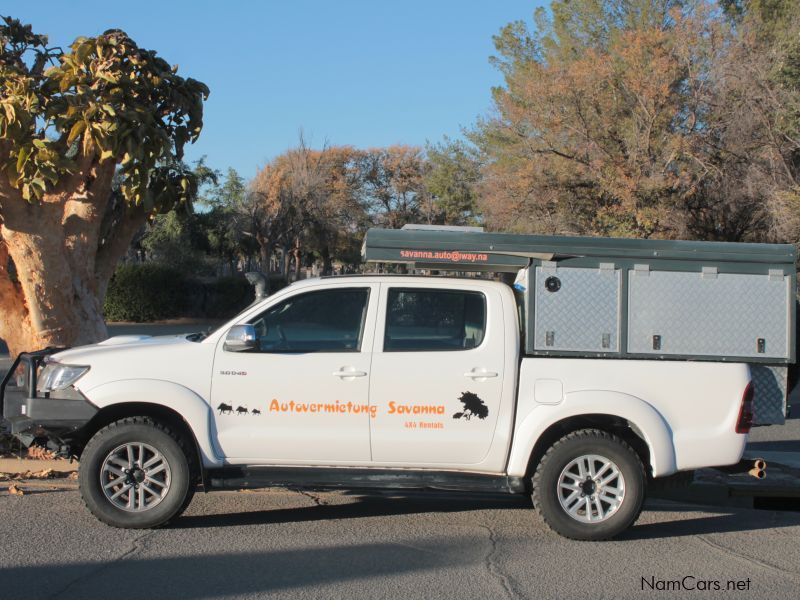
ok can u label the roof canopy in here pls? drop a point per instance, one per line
(480, 251)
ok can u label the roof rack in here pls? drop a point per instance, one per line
(435, 247)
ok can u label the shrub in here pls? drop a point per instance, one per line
(226, 297)
(153, 292)
(147, 292)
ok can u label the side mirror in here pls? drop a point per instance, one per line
(241, 338)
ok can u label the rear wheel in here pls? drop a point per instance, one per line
(590, 485)
(136, 473)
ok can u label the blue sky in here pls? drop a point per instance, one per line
(359, 72)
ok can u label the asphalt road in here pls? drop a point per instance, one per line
(282, 543)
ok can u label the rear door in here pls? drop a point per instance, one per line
(437, 374)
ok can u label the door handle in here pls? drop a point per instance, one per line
(344, 373)
(480, 374)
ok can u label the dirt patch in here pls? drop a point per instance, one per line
(43, 474)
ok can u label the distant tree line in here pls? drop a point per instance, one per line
(646, 118)
(311, 207)
(642, 118)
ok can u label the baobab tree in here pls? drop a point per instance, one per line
(70, 123)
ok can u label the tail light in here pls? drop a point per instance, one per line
(745, 420)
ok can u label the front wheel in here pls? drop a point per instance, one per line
(590, 485)
(136, 473)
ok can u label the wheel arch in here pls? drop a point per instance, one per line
(605, 422)
(115, 412)
(632, 419)
(176, 405)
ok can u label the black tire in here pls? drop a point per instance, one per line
(175, 450)
(572, 446)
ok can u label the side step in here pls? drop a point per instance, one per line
(229, 478)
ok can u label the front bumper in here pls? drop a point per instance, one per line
(26, 411)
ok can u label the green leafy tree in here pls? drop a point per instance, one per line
(169, 241)
(451, 177)
(220, 224)
(70, 121)
(178, 238)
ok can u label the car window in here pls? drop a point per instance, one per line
(322, 321)
(425, 319)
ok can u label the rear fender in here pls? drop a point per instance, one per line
(645, 419)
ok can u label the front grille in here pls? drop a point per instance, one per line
(20, 381)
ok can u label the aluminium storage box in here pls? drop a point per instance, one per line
(630, 298)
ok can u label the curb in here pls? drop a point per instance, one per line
(21, 465)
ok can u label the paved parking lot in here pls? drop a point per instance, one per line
(285, 543)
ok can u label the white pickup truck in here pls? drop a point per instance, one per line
(378, 382)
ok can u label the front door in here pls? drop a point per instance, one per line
(303, 395)
(437, 374)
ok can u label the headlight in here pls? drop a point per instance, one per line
(56, 376)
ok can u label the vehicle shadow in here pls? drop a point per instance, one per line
(366, 505)
(234, 574)
(721, 520)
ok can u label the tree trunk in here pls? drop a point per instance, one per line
(296, 254)
(62, 264)
(265, 256)
(327, 262)
(285, 262)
